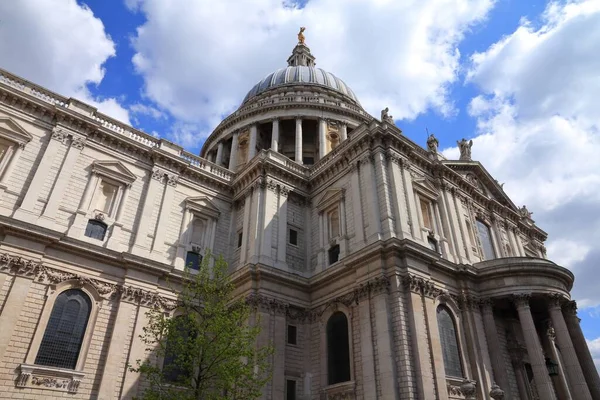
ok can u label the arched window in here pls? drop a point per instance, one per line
(338, 349)
(65, 330)
(450, 350)
(96, 229)
(485, 236)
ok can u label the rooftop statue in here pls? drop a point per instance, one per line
(301, 35)
(465, 149)
(432, 143)
(525, 213)
(386, 117)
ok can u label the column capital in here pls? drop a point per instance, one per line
(555, 300)
(78, 142)
(521, 300)
(487, 304)
(570, 308)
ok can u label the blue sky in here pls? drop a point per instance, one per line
(519, 77)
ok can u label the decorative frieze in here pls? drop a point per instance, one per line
(421, 286)
(42, 377)
(52, 276)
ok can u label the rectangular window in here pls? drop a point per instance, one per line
(433, 245)
(426, 213)
(240, 236)
(193, 260)
(107, 194)
(290, 389)
(486, 240)
(334, 223)
(294, 237)
(292, 333)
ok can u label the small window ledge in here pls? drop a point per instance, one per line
(343, 390)
(51, 378)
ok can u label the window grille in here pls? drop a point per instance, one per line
(450, 350)
(65, 330)
(96, 229)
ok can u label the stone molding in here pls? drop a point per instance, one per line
(42, 377)
(40, 273)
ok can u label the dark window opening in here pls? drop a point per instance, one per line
(450, 350)
(96, 229)
(65, 330)
(308, 160)
(294, 237)
(290, 389)
(193, 260)
(240, 236)
(338, 349)
(292, 333)
(334, 254)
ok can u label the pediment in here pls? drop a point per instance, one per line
(425, 187)
(115, 170)
(480, 179)
(202, 205)
(11, 130)
(330, 197)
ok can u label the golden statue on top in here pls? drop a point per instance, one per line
(301, 35)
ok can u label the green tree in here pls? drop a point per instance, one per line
(209, 349)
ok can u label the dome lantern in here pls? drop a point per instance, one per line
(301, 55)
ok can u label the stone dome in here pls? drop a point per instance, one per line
(304, 75)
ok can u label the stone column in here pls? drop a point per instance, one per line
(116, 358)
(155, 187)
(298, 155)
(275, 135)
(234, 150)
(577, 384)
(64, 176)
(252, 144)
(219, 159)
(114, 241)
(493, 342)
(541, 378)
(25, 211)
(322, 138)
(581, 348)
(343, 132)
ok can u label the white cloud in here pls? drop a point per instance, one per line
(58, 44)
(198, 60)
(538, 130)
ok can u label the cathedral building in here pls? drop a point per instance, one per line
(380, 268)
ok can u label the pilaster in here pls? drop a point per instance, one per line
(59, 137)
(282, 228)
(359, 230)
(388, 222)
(155, 187)
(13, 306)
(47, 219)
(158, 246)
(371, 200)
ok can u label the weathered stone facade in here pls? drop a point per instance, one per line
(364, 222)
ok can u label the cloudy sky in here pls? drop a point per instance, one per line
(521, 78)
